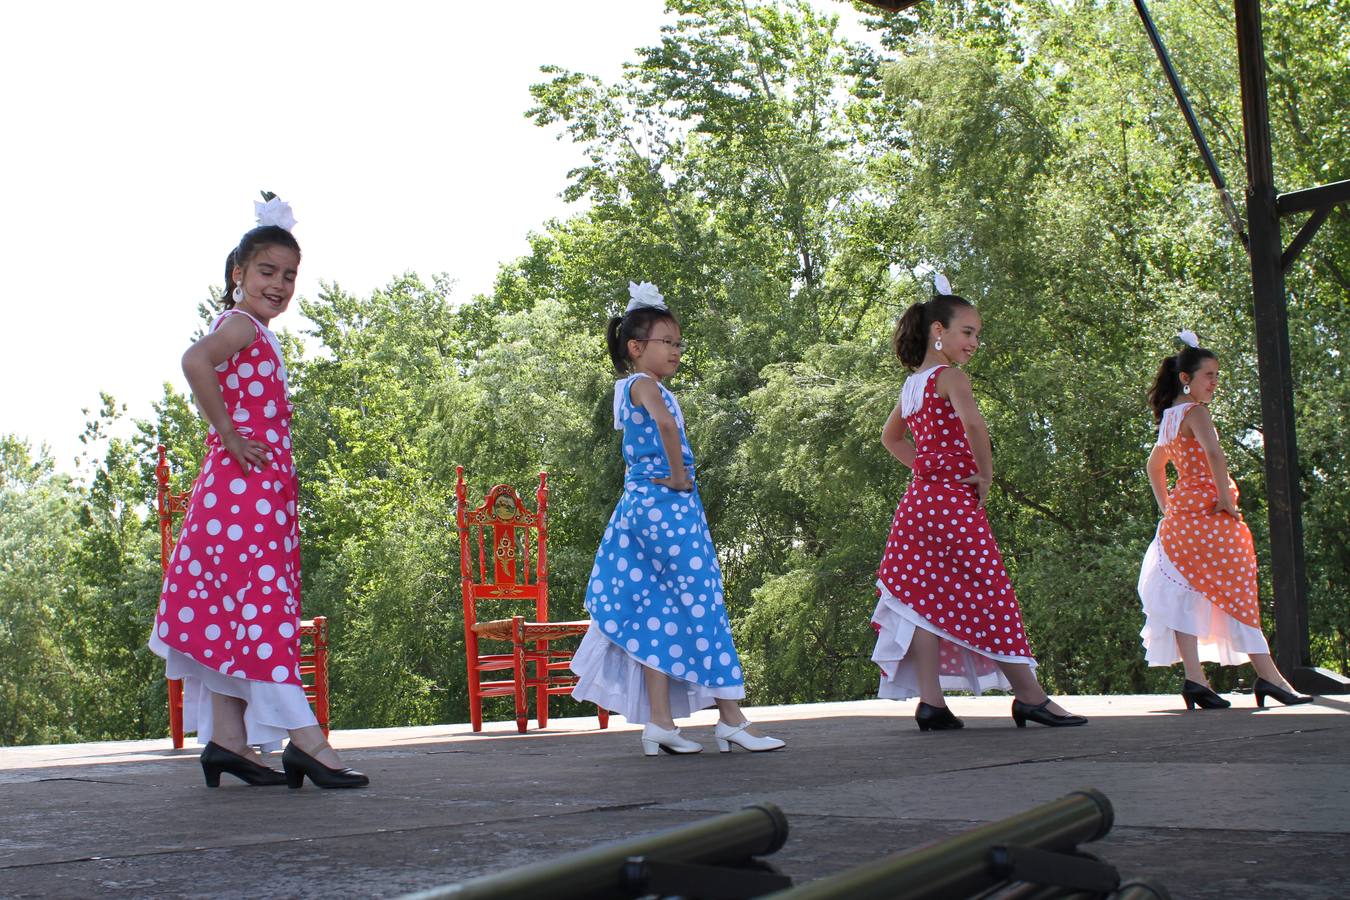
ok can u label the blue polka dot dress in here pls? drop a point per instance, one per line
(655, 592)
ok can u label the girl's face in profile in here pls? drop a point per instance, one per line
(1203, 383)
(268, 281)
(659, 353)
(961, 339)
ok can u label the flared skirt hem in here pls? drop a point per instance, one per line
(612, 678)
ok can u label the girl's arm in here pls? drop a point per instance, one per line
(894, 440)
(199, 364)
(1202, 426)
(955, 386)
(647, 394)
(1157, 476)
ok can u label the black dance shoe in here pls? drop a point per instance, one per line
(1203, 695)
(936, 718)
(216, 759)
(1025, 712)
(1263, 689)
(298, 764)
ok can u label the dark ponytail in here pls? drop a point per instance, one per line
(1167, 383)
(910, 338)
(249, 245)
(630, 326)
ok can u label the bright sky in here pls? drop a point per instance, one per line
(137, 136)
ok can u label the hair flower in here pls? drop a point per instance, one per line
(1189, 338)
(941, 284)
(644, 295)
(274, 211)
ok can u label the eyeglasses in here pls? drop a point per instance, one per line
(678, 345)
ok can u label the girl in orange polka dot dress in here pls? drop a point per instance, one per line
(947, 616)
(1198, 583)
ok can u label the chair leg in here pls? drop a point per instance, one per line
(521, 676)
(176, 712)
(604, 717)
(541, 692)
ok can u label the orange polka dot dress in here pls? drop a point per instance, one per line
(941, 569)
(1199, 574)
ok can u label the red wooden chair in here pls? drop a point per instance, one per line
(314, 632)
(503, 522)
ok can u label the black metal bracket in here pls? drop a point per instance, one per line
(753, 878)
(1078, 871)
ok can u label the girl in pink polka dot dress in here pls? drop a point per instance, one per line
(1198, 582)
(947, 617)
(229, 613)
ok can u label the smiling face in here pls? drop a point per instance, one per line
(268, 280)
(961, 338)
(658, 354)
(1203, 383)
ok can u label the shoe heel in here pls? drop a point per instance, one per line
(723, 746)
(1020, 721)
(1190, 701)
(1261, 700)
(295, 778)
(650, 748)
(212, 774)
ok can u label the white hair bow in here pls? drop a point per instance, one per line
(941, 284)
(274, 212)
(644, 294)
(1189, 338)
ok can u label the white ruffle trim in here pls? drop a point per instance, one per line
(610, 677)
(911, 392)
(1172, 606)
(896, 623)
(272, 710)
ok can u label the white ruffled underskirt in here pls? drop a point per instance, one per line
(611, 678)
(896, 623)
(272, 710)
(1172, 606)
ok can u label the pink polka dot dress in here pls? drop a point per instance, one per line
(229, 611)
(941, 570)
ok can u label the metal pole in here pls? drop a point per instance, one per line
(1272, 353)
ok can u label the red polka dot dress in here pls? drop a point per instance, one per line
(229, 611)
(941, 570)
(1199, 575)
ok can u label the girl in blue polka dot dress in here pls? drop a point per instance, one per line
(659, 646)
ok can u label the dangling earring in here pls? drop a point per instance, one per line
(937, 345)
(1185, 388)
(238, 294)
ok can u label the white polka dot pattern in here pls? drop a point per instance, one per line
(231, 597)
(656, 589)
(941, 559)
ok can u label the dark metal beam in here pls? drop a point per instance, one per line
(1324, 195)
(1304, 235)
(1230, 209)
(1272, 352)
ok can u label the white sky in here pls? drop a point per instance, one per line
(136, 136)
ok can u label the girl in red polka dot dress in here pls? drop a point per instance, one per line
(229, 612)
(947, 617)
(1198, 583)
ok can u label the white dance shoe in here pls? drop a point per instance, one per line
(736, 734)
(655, 738)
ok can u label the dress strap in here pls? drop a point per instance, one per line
(235, 312)
(911, 394)
(621, 388)
(1170, 425)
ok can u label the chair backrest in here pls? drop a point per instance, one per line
(503, 548)
(169, 504)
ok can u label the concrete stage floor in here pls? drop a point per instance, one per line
(1233, 803)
